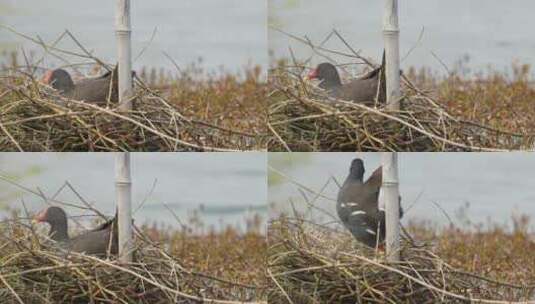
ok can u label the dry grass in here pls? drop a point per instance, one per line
(492, 251)
(171, 266)
(313, 259)
(190, 264)
(190, 110)
(455, 113)
(231, 101)
(496, 99)
(310, 263)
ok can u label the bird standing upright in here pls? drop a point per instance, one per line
(358, 205)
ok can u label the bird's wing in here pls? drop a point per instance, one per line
(92, 242)
(382, 205)
(366, 223)
(371, 74)
(359, 90)
(91, 90)
(373, 184)
(104, 225)
(400, 208)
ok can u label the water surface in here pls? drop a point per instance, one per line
(496, 185)
(489, 32)
(225, 187)
(229, 34)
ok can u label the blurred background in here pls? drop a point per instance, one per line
(476, 33)
(212, 190)
(439, 188)
(224, 34)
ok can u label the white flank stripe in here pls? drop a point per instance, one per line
(358, 212)
(371, 231)
(352, 204)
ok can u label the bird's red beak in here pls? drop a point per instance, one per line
(47, 77)
(313, 74)
(41, 216)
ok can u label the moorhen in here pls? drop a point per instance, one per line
(360, 90)
(93, 242)
(93, 90)
(358, 205)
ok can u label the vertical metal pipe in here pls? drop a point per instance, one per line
(123, 192)
(123, 34)
(390, 193)
(391, 40)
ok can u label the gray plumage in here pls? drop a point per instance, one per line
(361, 90)
(358, 205)
(93, 90)
(93, 242)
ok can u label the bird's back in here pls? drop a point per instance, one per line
(97, 241)
(94, 243)
(357, 206)
(94, 90)
(362, 90)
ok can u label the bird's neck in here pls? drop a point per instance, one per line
(351, 179)
(64, 86)
(330, 84)
(58, 231)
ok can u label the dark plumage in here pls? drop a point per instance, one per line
(93, 90)
(362, 90)
(358, 205)
(94, 242)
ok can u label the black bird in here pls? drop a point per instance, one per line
(93, 90)
(358, 205)
(361, 90)
(94, 242)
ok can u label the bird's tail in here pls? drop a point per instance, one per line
(108, 223)
(381, 94)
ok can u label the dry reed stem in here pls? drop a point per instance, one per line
(34, 270)
(310, 263)
(35, 118)
(303, 118)
(28, 265)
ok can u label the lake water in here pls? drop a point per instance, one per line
(225, 187)
(490, 32)
(230, 33)
(496, 185)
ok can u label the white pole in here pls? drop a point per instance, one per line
(390, 188)
(124, 53)
(123, 193)
(391, 39)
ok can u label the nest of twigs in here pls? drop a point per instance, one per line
(310, 263)
(35, 118)
(303, 118)
(32, 272)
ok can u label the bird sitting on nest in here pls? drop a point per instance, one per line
(96, 90)
(361, 90)
(93, 242)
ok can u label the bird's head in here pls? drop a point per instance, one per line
(59, 79)
(326, 73)
(356, 170)
(52, 215)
